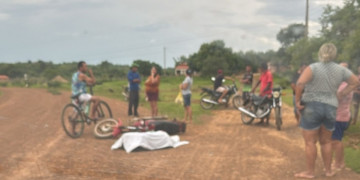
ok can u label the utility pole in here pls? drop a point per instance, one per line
(307, 20)
(164, 61)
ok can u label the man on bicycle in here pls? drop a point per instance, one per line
(78, 86)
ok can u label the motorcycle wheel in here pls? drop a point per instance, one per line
(237, 101)
(245, 118)
(104, 128)
(278, 118)
(206, 105)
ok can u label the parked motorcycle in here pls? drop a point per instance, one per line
(210, 97)
(260, 107)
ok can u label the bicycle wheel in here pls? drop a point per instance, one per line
(72, 121)
(237, 101)
(207, 105)
(278, 118)
(104, 128)
(103, 110)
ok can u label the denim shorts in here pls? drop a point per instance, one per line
(316, 114)
(187, 100)
(340, 127)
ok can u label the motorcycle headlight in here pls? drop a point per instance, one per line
(276, 94)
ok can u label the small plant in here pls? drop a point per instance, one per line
(3, 84)
(54, 84)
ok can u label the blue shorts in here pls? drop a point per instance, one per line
(340, 127)
(187, 100)
(316, 114)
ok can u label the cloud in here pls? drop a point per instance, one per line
(4, 16)
(123, 30)
(339, 3)
(29, 2)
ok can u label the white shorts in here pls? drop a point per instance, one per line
(85, 97)
(221, 89)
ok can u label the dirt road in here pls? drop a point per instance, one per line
(34, 146)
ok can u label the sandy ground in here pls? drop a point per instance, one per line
(34, 146)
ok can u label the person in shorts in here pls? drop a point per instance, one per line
(356, 100)
(185, 87)
(152, 90)
(218, 87)
(342, 122)
(78, 86)
(317, 99)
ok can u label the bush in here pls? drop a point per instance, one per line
(54, 84)
(3, 84)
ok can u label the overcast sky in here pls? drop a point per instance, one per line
(121, 31)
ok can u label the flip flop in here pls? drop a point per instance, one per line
(304, 175)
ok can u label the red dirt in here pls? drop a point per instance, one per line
(34, 146)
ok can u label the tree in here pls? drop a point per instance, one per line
(305, 51)
(213, 56)
(289, 35)
(145, 67)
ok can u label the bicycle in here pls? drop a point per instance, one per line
(76, 114)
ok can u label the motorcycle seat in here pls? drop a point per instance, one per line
(258, 100)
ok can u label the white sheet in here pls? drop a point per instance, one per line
(148, 140)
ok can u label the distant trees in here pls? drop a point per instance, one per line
(145, 67)
(291, 34)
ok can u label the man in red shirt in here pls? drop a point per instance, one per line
(266, 80)
(266, 86)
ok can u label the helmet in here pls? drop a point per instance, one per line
(189, 72)
(220, 71)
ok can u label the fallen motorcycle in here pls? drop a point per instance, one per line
(108, 128)
(260, 108)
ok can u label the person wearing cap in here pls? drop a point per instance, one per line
(185, 87)
(218, 87)
(134, 81)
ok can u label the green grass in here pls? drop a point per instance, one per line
(169, 89)
(352, 150)
(352, 158)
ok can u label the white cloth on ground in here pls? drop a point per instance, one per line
(148, 140)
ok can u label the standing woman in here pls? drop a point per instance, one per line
(152, 90)
(185, 87)
(318, 104)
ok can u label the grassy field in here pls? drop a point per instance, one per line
(352, 149)
(169, 89)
